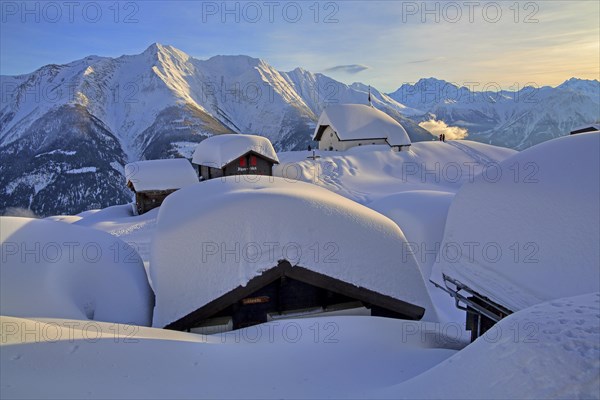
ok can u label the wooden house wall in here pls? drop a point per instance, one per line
(262, 167)
(146, 201)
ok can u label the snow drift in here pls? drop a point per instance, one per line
(217, 235)
(368, 173)
(529, 231)
(548, 351)
(349, 355)
(55, 269)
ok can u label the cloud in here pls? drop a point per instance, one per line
(436, 128)
(349, 69)
(426, 60)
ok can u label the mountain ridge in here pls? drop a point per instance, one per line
(98, 113)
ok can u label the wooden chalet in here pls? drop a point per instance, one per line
(285, 291)
(234, 154)
(153, 180)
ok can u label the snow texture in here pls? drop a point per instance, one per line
(218, 151)
(528, 230)
(359, 121)
(368, 173)
(122, 222)
(160, 174)
(548, 351)
(54, 269)
(421, 214)
(219, 234)
(332, 357)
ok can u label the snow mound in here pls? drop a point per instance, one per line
(217, 235)
(160, 174)
(368, 173)
(548, 351)
(55, 269)
(218, 151)
(528, 232)
(336, 357)
(422, 216)
(359, 121)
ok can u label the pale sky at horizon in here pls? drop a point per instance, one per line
(384, 43)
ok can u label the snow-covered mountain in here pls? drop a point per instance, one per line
(515, 119)
(67, 130)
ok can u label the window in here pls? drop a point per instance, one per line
(253, 161)
(243, 162)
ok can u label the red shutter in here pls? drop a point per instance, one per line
(243, 162)
(253, 161)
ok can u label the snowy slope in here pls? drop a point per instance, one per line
(548, 351)
(368, 173)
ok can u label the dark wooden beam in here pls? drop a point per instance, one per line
(301, 274)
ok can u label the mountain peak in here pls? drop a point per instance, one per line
(433, 81)
(576, 82)
(154, 48)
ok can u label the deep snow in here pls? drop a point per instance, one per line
(529, 232)
(549, 350)
(217, 235)
(53, 269)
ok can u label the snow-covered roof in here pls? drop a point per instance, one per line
(70, 272)
(532, 225)
(219, 150)
(359, 121)
(214, 237)
(167, 174)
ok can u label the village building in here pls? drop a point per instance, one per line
(234, 154)
(586, 128)
(286, 291)
(343, 126)
(230, 254)
(153, 180)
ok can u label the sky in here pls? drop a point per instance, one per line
(381, 43)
